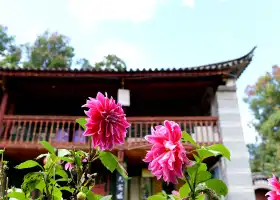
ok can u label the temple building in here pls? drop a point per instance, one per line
(43, 104)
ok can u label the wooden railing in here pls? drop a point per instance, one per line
(64, 132)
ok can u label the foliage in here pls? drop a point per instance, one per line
(50, 50)
(52, 176)
(264, 158)
(3, 178)
(264, 100)
(85, 64)
(48, 180)
(10, 54)
(111, 62)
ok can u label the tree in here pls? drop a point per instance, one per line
(85, 64)
(50, 50)
(263, 99)
(264, 157)
(111, 62)
(10, 54)
(264, 102)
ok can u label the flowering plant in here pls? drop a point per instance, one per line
(106, 124)
(275, 193)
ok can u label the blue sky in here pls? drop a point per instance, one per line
(158, 33)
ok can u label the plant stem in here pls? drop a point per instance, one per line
(2, 177)
(89, 156)
(194, 182)
(189, 184)
(47, 188)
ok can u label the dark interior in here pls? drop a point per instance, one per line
(65, 96)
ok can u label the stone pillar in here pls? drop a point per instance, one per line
(237, 172)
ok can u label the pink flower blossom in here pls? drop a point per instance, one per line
(84, 160)
(106, 122)
(175, 193)
(69, 166)
(275, 193)
(45, 160)
(167, 156)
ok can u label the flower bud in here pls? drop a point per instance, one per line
(81, 196)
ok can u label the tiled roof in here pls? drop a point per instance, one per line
(235, 66)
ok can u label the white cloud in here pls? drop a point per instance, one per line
(91, 11)
(131, 55)
(189, 3)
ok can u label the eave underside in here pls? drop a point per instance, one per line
(57, 96)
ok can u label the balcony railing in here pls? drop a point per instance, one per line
(64, 132)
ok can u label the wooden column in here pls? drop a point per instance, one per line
(3, 108)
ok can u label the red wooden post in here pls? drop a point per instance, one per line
(121, 156)
(3, 108)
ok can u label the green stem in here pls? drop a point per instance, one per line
(89, 156)
(2, 176)
(189, 184)
(47, 188)
(194, 182)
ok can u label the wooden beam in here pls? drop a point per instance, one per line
(3, 107)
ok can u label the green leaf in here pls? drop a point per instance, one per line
(2, 151)
(163, 193)
(71, 190)
(122, 171)
(32, 181)
(184, 190)
(220, 149)
(63, 152)
(57, 194)
(197, 159)
(200, 197)
(62, 173)
(40, 185)
(198, 167)
(109, 197)
(204, 153)
(218, 186)
(108, 160)
(157, 197)
(188, 138)
(202, 167)
(17, 195)
(82, 122)
(47, 146)
(91, 196)
(203, 176)
(66, 159)
(28, 164)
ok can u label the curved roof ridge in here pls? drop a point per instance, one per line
(233, 66)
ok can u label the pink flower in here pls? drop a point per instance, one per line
(167, 156)
(69, 166)
(84, 160)
(275, 193)
(45, 160)
(106, 122)
(176, 193)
